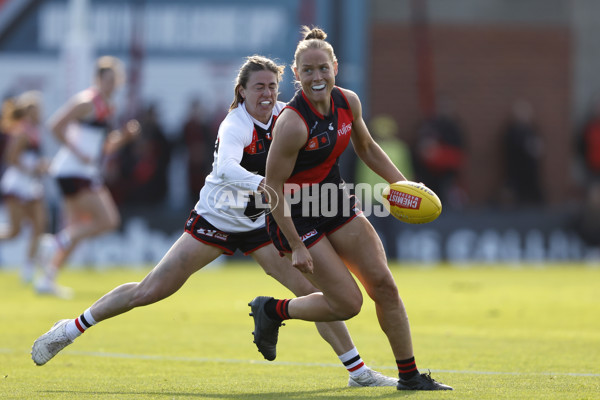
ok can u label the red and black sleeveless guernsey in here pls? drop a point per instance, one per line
(328, 137)
(318, 212)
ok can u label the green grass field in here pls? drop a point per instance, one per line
(490, 332)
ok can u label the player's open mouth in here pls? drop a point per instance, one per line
(316, 88)
(265, 103)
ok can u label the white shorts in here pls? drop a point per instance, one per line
(19, 184)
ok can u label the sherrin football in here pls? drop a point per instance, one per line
(412, 202)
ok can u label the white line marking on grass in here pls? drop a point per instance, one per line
(298, 364)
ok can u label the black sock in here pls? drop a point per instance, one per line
(407, 368)
(277, 309)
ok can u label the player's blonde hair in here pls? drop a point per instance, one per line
(313, 38)
(14, 109)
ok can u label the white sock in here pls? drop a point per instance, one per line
(77, 326)
(353, 363)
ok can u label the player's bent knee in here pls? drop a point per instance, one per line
(349, 309)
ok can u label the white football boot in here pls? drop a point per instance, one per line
(372, 378)
(50, 343)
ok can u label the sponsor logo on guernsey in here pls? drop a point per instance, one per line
(308, 235)
(213, 233)
(404, 200)
(344, 129)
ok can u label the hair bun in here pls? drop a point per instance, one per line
(315, 33)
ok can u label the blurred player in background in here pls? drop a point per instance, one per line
(83, 127)
(215, 228)
(21, 185)
(309, 136)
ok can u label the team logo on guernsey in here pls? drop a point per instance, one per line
(255, 147)
(238, 201)
(318, 142)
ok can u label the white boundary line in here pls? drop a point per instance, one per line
(299, 364)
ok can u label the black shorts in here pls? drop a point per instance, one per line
(71, 186)
(246, 242)
(312, 229)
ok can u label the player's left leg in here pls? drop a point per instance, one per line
(360, 247)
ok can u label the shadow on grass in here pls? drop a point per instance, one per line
(321, 394)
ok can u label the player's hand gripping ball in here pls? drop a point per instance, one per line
(412, 202)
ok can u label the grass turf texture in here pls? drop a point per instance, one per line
(490, 332)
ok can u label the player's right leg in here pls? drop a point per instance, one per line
(342, 300)
(280, 268)
(186, 256)
(340, 297)
(335, 332)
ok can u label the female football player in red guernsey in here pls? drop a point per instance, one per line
(309, 136)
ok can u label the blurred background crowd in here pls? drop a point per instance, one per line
(493, 104)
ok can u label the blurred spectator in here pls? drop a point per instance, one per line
(589, 144)
(385, 132)
(199, 138)
(522, 153)
(439, 153)
(587, 218)
(139, 175)
(152, 153)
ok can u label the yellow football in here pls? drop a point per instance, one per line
(412, 202)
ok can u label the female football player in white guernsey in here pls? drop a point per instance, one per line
(21, 186)
(218, 225)
(82, 126)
